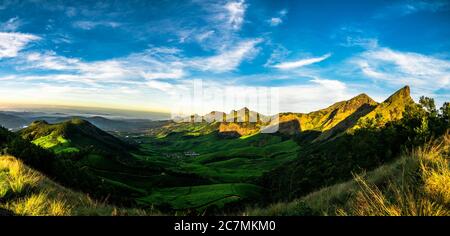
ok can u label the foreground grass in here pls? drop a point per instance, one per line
(24, 191)
(417, 184)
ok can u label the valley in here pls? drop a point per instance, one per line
(216, 166)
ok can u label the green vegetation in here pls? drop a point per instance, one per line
(201, 198)
(415, 184)
(222, 168)
(72, 136)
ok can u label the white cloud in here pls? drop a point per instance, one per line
(278, 53)
(229, 58)
(317, 94)
(163, 86)
(11, 25)
(202, 36)
(425, 74)
(236, 13)
(300, 63)
(89, 25)
(274, 21)
(277, 20)
(174, 74)
(12, 43)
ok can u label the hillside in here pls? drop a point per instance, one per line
(340, 113)
(24, 191)
(390, 109)
(72, 136)
(416, 184)
(341, 117)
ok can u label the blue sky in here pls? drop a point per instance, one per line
(141, 54)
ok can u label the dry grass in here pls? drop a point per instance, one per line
(27, 192)
(417, 184)
(422, 190)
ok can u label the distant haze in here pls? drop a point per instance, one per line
(87, 111)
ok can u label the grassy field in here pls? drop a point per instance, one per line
(219, 159)
(56, 142)
(24, 191)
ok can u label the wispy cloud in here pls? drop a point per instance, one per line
(89, 25)
(274, 21)
(11, 25)
(277, 20)
(152, 65)
(229, 58)
(204, 35)
(360, 42)
(12, 43)
(426, 74)
(300, 63)
(236, 13)
(404, 8)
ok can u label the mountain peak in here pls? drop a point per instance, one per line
(403, 93)
(361, 99)
(362, 96)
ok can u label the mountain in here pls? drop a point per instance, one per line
(324, 119)
(392, 108)
(326, 123)
(10, 121)
(17, 120)
(72, 135)
(389, 110)
(242, 122)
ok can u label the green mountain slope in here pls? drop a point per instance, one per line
(72, 136)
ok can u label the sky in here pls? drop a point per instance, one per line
(149, 55)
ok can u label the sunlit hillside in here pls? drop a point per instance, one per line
(24, 191)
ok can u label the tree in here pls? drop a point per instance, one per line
(429, 105)
(445, 113)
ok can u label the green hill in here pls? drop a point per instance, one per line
(72, 136)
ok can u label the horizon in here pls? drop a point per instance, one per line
(143, 56)
(142, 114)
